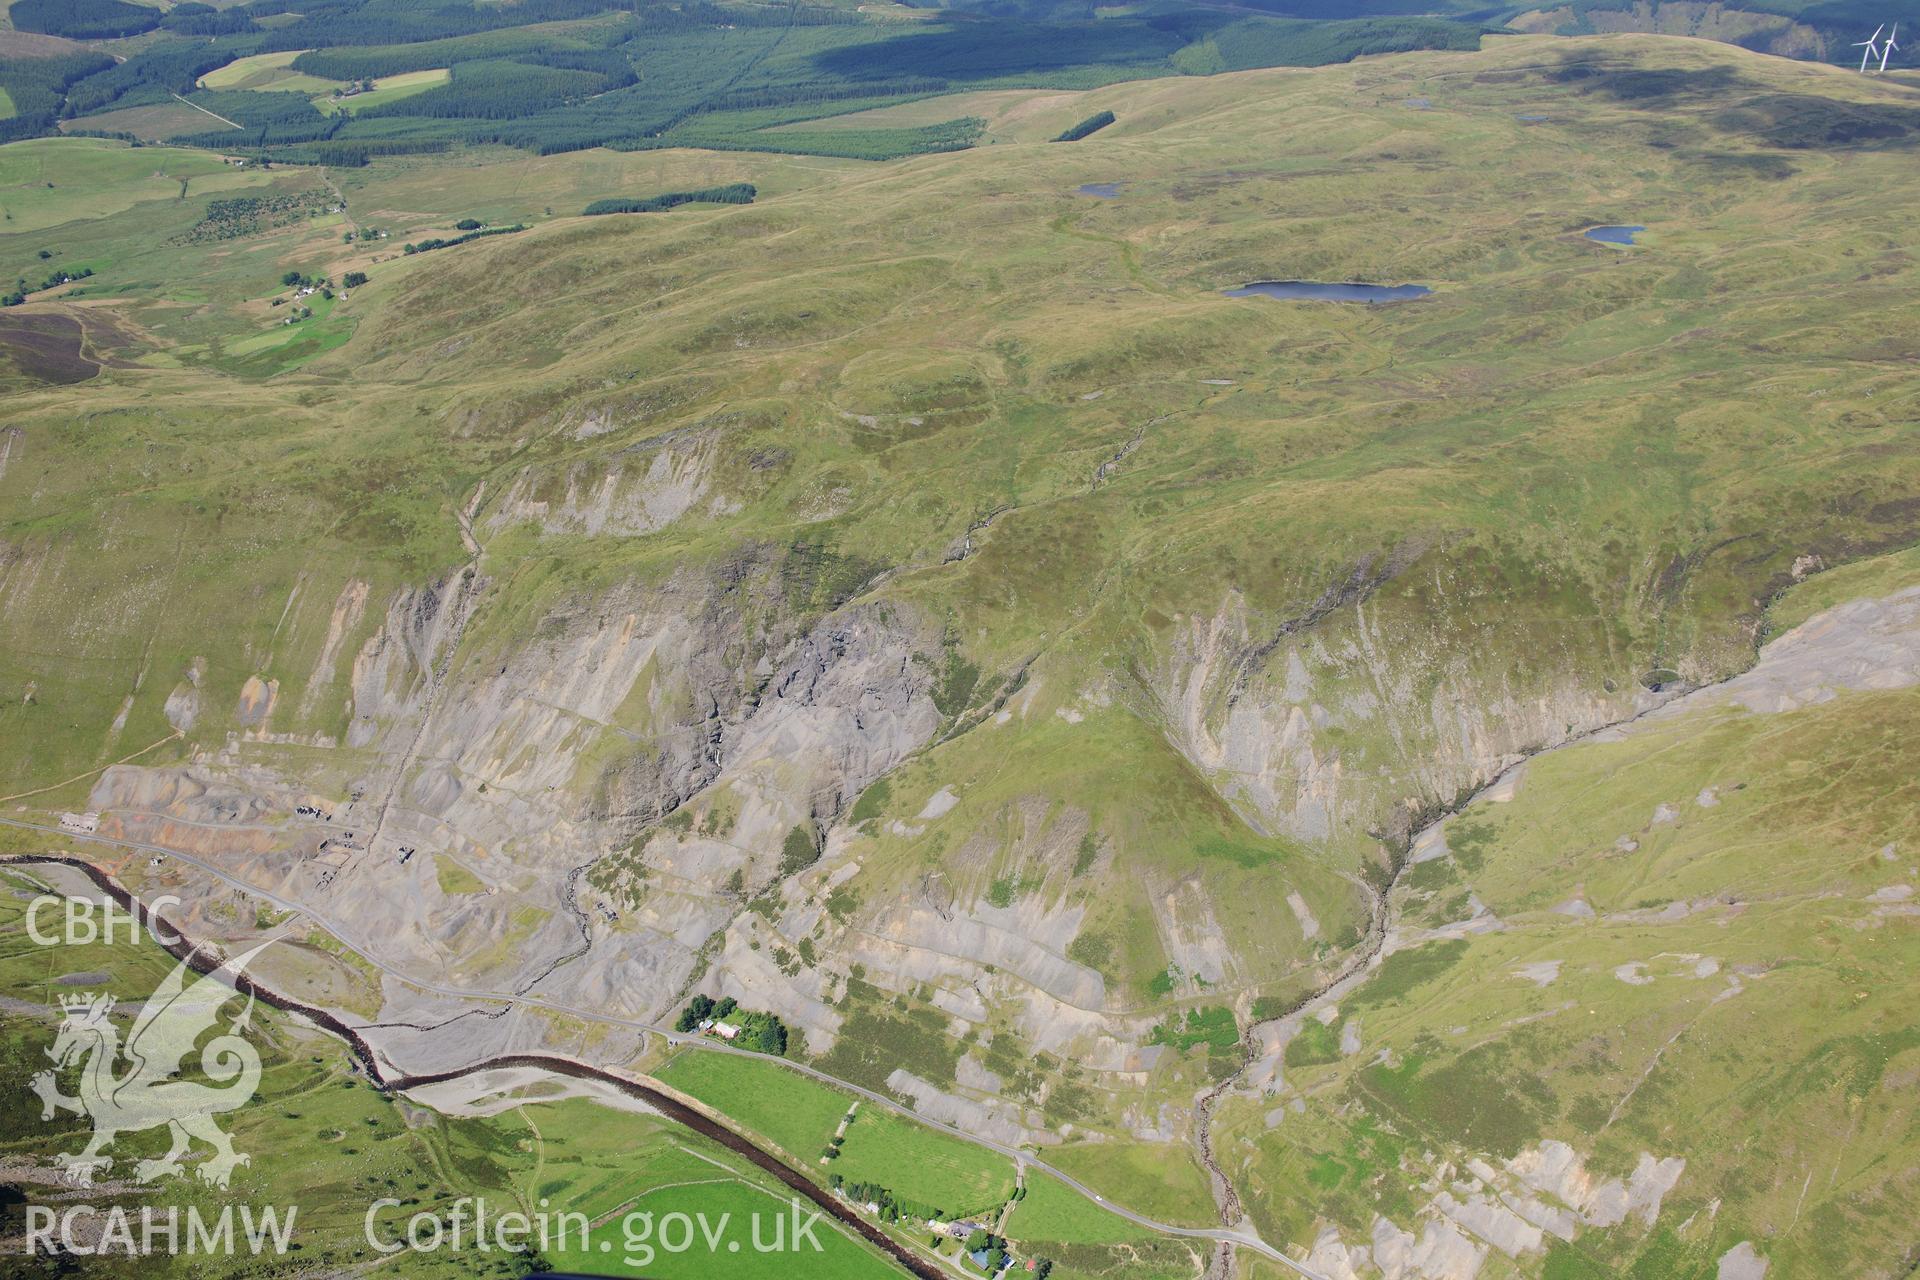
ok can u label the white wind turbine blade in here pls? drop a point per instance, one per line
(1869, 46)
(1886, 50)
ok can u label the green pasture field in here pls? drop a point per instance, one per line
(801, 1114)
(50, 182)
(1054, 1213)
(385, 89)
(1159, 1179)
(922, 1165)
(269, 72)
(796, 1113)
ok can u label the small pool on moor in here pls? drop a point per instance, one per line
(1321, 291)
(1614, 235)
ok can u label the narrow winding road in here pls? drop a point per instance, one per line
(1021, 1156)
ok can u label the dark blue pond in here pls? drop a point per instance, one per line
(1614, 235)
(1100, 190)
(1330, 292)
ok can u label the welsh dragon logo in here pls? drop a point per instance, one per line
(146, 1093)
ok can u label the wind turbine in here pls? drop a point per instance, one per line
(1871, 46)
(1886, 50)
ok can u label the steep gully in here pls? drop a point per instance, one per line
(1356, 969)
(467, 587)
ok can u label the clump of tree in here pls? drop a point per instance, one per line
(447, 242)
(800, 850)
(732, 193)
(374, 55)
(502, 89)
(265, 119)
(231, 217)
(758, 1032)
(1092, 124)
(353, 279)
(892, 1207)
(22, 291)
(761, 1033)
(995, 1247)
(701, 1008)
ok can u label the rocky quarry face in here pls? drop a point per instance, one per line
(634, 792)
(1017, 694)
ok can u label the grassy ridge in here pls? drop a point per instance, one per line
(1530, 296)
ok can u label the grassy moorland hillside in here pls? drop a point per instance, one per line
(921, 605)
(1649, 995)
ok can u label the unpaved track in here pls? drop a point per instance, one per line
(54, 786)
(397, 1080)
(203, 111)
(1871, 643)
(201, 961)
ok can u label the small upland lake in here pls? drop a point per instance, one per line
(1614, 234)
(1322, 291)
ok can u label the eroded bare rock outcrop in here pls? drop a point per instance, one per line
(1354, 718)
